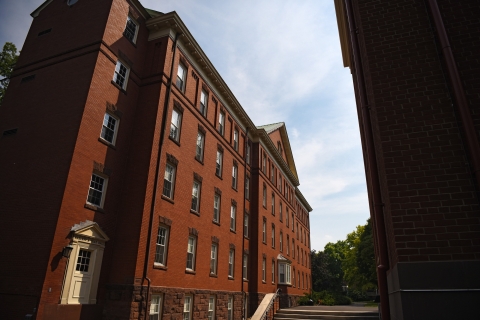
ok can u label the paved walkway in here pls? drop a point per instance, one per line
(336, 308)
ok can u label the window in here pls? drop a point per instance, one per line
(162, 245)
(286, 217)
(247, 188)
(293, 222)
(245, 266)
(169, 181)
(213, 259)
(281, 241)
(264, 201)
(264, 163)
(234, 176)
(211, 308)
(221, 123)
(272, 174)
(175, 125)
(273, 203)
(131, 30)
(200, 143)
(235, 140)
(245, 224)
(280, 211)
(280, 183)
(156, 307)
(273, 271)
(196, 196)
(233, 213)
(264, 231)
(293, 248)
(288, 245)
(284, 273)
(181, 75)
(121, 75)
(273, 236)
(203, 103)
(293, 275)
(264, 262)
(297, 230)
(219, 163)
(231, 263)
(109, 128)
(216, 208)
(298, 280)
(187, 308)
(191, 253)
(230, 308)
(247, 155)
(96, 191)
(298, 255)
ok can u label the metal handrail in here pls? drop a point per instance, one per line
(271, 304)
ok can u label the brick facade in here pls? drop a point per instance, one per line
(58, 97)
(420, 157)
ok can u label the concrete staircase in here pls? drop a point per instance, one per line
(327, 313)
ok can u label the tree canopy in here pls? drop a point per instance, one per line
(8, 58)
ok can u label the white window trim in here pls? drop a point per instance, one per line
(103, 192)
(216, 211)
(264, 271)
(234, 177)
(183, 78)
(211, 307)
(156, 314)
(193, 252)
(221, 123)
(174, 172)
(245, 267)
(187, 309)
(231, 263)
(213, 258)
(200, 146)
(233, 217)
(204, 103)
(219, 162)
(167, 233)
(127, 73)
(137, 26)
(199, 192)
(287, 270)
(178, 126)
(115, 129)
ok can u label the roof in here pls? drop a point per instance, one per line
(271, 127)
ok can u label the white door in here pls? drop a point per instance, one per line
(82, 277)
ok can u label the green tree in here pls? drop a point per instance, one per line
(8, 58)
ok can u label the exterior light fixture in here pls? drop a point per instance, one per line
(66, 251)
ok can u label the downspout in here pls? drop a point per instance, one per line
(244, 208)
(157, 169)
(377, 203)
(471, 137)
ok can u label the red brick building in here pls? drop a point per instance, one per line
(416, 73)
(133, 183)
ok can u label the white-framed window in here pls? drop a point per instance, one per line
(280, 183)
(196, 196)
(264, 199)
(247, 188)
(264, 272)
(200, 144)
(187, 307)
(219, 163)
(221, 123)
(203, 103)
(175, 125)
(273, 271)
(234, 176)
(213, 258)
(97, 189)
(245, 266)
(191, 247)
(273, 203)
(211, 308)
(264, 231)
(245, 225)
(272, 174)
(109, 128)
(156, 307)
(231, 263)
(293, 278)
(216, 207)
(293, 248)
(181, 77)
(286, 216)
(247, 155)
(233, 217)
(281, 241)
(235, 139)
(131, 29)
(293, 222)
(264, 163)
(273, 236)
(120, 77)
(284, 273)
(169, 181)
(230, 308)
(162, 246)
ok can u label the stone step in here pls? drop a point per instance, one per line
(318, 314)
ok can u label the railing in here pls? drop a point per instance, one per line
(271, 308)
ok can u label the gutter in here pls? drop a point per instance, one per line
(155, 185)
(376, 203)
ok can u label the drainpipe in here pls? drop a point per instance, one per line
(377, 203)
(471, 137)
(244, 206)
(157, 169)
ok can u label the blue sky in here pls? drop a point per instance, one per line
(282, 61)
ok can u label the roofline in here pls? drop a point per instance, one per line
(304, 201)
(343, 31)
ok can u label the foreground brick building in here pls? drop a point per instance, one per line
(133, 183)
(416, 72)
